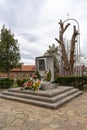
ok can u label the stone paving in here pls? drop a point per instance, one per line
(20, 116)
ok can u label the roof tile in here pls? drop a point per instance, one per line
(25, 68)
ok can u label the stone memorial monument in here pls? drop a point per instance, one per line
(44, 63)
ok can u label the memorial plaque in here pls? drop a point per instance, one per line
(41, 64)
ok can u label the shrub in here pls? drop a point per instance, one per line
(77, 82)
(49, 75)
(38, 74)
(21, 82)
(6, 83)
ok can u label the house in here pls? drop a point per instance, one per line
(25, 72)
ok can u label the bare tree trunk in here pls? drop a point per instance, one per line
(63, 51)
(72, 49)
(68, 65)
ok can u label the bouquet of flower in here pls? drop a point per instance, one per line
(31, 84)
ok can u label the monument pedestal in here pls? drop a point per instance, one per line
(49, 86)
(44, 63)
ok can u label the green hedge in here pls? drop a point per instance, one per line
(21, 82)
(77, 82)
(6, 83)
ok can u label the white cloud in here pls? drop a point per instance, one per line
(35, 23)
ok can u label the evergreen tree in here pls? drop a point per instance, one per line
(9, 51)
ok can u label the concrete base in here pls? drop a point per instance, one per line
(52, 98)
(49, 86)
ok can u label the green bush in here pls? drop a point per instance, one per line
(1, 84)
(38, 74)
(77, 82)
(21, 82)
(6, 83)
(49, 76)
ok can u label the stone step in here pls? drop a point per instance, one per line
(40, 103)
(42, 98)
(67, 99)
(45, 93)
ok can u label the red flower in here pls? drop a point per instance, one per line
(30, 83)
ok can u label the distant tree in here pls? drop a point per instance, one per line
(9, 51)
(53, 51)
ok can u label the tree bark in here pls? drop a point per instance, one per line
(63, 51)
(72, 49)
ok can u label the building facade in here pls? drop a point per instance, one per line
(25, 72)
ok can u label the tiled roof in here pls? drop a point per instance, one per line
(25, 68)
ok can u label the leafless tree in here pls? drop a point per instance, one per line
(68, 63)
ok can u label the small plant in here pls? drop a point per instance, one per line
(37, 74)
(20, 82)
(49, 75)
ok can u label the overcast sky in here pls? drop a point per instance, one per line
(35, 23)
